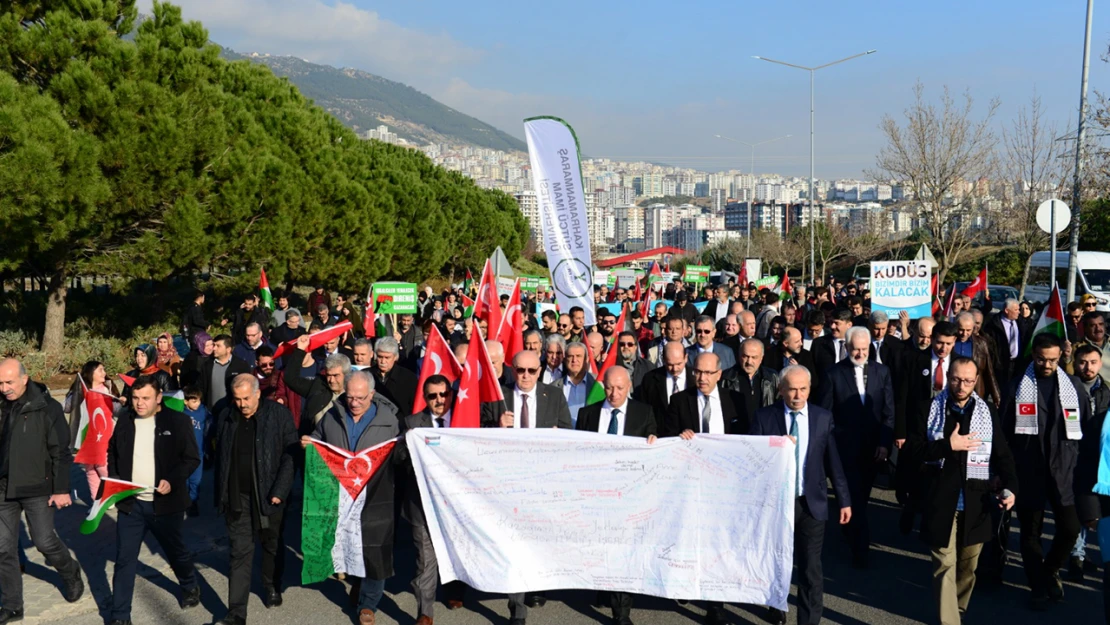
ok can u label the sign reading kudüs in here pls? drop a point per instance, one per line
(901, 285)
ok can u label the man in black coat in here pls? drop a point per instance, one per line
(194, 322)
(217, 371)
(963, 447)
(34, 480)
(319, 392)
(790, 351)
(884, 350)
(1045, 412)
(662, 384)
(255, 446)
(830, 348)
(621, 416)
(629, 358)
(155, 447)
(756, 385)
(439, 397)
(811, 428)
(705, 408)
(1010, 333)
(528, 405)
(860, 396)
(249, 312)
(1087, 361)
(394, 382)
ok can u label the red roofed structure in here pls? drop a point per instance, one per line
(646, 255)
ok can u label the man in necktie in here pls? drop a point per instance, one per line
(810, 427)
(829, 348)
(883, 351)
(860, 395)
(1010, 333)
(439, 398)
(706, 408)
(618, 415)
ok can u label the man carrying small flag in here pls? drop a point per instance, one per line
(155, 447)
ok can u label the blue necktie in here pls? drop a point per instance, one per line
(614, 424)
(797, 447)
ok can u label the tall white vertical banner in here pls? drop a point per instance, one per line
(557, 181)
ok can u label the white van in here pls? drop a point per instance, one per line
(1093, 276)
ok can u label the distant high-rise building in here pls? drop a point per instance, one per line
(530, 208)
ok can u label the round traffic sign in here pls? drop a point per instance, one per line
(1044, 216)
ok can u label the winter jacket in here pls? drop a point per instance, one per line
(275, 444)
(38, 455)
(175, 457)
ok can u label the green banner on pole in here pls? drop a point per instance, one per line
(696, 274)
(394, 298)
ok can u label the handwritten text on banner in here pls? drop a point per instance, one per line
(530, 510)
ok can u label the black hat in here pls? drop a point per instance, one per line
(680, 296)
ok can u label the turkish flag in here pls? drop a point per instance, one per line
(438, 360)
(1027, 410)
(95, 427)
(316, 340)
(979, 285)
(614, 347)
(488, 304)
(511, 331)
(478, 383)
(742, 279)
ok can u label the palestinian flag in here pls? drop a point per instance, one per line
(126, 379)
(174, 401)
(654, 275)
(468, 282)
(264, 291)
(95, 427)
(1051, 320)
(316, 340)
(597, 391)
(468, 307)
(785, 290)
(372, 324)
(335, 486)
(111, 491)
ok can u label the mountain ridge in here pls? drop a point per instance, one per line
(362, 101)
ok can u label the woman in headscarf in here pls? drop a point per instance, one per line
(146, 363)
(95, 378)
(168, 358)
(194, 360)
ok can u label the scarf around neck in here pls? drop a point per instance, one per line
(1026, 405)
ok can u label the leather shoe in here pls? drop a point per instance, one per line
(191, 598)
(454, 604)
(536, 601)
(1055, 588)
(424, 620)
(10, 616)
(231, 619)
(273, 599)
(777, 617)
(120, 622)
(365, 617)
(74, 587)
(714, 616)
(517, 621)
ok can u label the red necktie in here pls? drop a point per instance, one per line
(938, 376)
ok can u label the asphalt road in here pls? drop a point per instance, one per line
(895, 590)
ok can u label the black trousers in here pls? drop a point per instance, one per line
(1106, 592)
(242, 532)
(1039, 567)
(809, 541)
(40, 524)
(131, 528)
(860, 476)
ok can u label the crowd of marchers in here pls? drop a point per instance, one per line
(974, 417)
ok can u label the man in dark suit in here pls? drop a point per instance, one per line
(528, 404)
(718, 308)
(790, 351)
(884, 350)
(860, 395)
(394, 382)
(830, 348)
(622, 416)
(439, 397)
(1010, 333)
(629, 358)
(705, 408)
(811, 428)
(319, 392)
(704, 333)
(217, 371)
(662, 384)
(757, 386)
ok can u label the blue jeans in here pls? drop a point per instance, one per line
(1080, 550)
(371, 594)
(131, 528)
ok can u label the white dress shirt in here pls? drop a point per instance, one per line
(607, 413)
(1011, 328)
(681, 378)
(550, 375)
(803, 442)
(722, 310)
(519, 397)
(446, 420)
(716, 414)
(943, 367)
(877, 346)
(860, 387)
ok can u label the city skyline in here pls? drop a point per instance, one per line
(653, 81)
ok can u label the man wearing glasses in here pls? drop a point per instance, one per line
(704, 333)
(629, 358)
(530, 405)
(563, 326)
(440, 398)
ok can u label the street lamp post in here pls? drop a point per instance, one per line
(811, 70)
(751, 173)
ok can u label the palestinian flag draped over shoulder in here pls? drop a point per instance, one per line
(111, 491)
(335, 489)
(1051, 320)
(264, 291)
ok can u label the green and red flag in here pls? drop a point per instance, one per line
(785, 290)
(264, 291)
(336, 483)
(468, 281)
(468, 307)
(111, 492)
(1051, 320)
(654, 275)
(174, 400)
(597, 392)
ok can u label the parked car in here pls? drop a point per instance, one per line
(1093, 276)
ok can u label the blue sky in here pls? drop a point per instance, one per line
(656, 80)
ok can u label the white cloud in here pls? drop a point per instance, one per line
(335, 34)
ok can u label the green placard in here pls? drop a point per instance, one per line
(696, 274)
(769, 281)
(394, 298)
(532, 283)
(611, 280)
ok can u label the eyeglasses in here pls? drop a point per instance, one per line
(265, 365)
(701, 373)
(442, 395)
(961, 382)
(564, 325)
(528, 370)
(628, 345)
(608, 322)
(705, 331)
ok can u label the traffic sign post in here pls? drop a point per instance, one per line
(1053, 216)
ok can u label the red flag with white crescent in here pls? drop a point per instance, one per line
(316, 340)
(478, 383)
(511, 331)
(95, 428)
(979, 285)
(438, 360)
